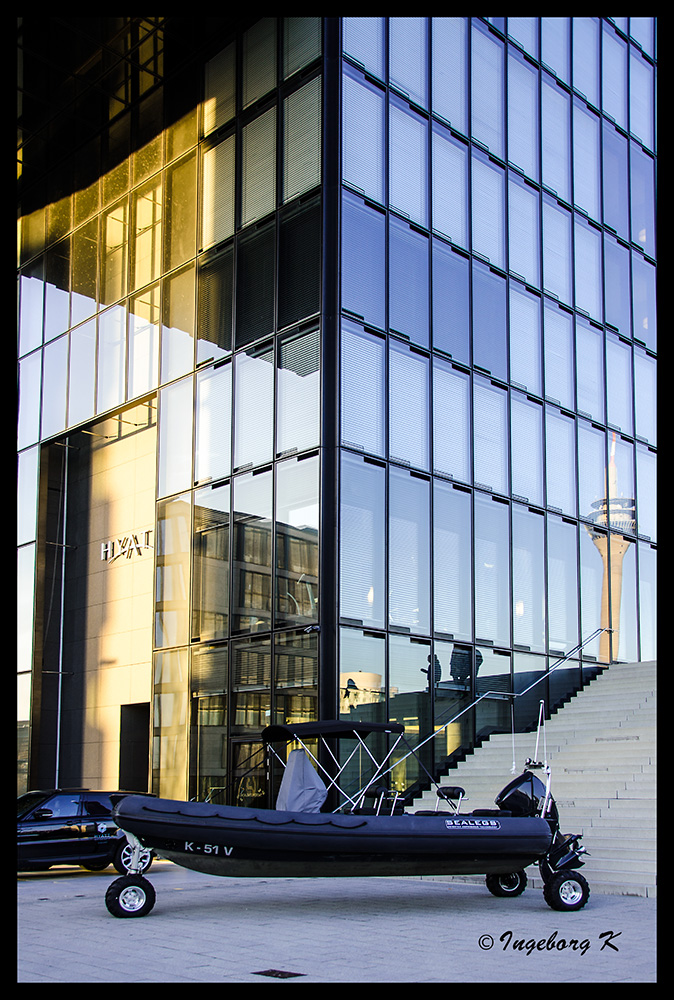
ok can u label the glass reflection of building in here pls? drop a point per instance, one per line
(357, 316)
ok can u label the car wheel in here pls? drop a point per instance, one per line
(512, 884)
(130, 896)
(124, 855)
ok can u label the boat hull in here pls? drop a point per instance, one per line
(233, 841)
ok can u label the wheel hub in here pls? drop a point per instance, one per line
(132, 898)
(570, 892)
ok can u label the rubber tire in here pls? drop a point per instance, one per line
(130, 896)
(125, 848)
(511, 884)
(566, 891)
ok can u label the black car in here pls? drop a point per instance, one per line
(71, 826)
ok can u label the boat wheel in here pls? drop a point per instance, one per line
(566, 891)
(130, 896)
(511, 884)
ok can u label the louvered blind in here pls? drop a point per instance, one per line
(302, 140)
(301, 43)
(450, 74)
(524, 231)
(489, 210)
(363, 135)
(487, 91)
(258, 167)
(523, 115)
(408, 163)
(451, 421)
(219, 89)
(450, 186)
(218, 194)
(408, 406)
(491, 446)
(259, 60)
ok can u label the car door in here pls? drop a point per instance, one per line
(98, 830)
(51, 832)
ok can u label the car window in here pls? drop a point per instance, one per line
(96, 804)
(62, 805)
(28, 801)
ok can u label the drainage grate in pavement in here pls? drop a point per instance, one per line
(279, 974)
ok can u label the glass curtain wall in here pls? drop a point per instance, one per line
(498, 332)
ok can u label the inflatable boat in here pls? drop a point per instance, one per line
(297, 839)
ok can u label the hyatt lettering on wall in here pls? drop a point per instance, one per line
(129, 545)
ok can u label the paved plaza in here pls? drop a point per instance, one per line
(205, 929)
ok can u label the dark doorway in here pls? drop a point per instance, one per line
(134, 747)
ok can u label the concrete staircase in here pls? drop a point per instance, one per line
(601, 748)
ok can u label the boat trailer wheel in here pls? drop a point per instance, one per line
(566, 891)
(510, 884)
(130, 896)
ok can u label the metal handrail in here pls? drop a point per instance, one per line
(499, 694)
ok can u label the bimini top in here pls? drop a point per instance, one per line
(332, 727)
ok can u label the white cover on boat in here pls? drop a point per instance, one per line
(302, 789)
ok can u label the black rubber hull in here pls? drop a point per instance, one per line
(226, 840)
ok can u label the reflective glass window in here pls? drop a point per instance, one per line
(451, 421)
(409, 407)
(363, 128)
(648, 602)
(593, 565)
(252, 508)
(617, 285)
(363, 387)
(409, 696)
(408, 162)
(560, 441)
(299, 267)
(452, 561)
(556, 139)
(363, 261)
(409, 293)
(83, 276)
(210, 596)
(147, 210)
(619, 384)
(591, 469)
(490, 313)
(251, 697)
(487, 89)
(408, 57)
(586, 160)
(409, 551)
(30, 380)
(646, 395)
(143, 342)
(525, 339)
(644, 302)
(31, 308)
(616, 181)
(175, 437)
(255, 284)
(54, 386)
(25, 618)
(586, 57)
(490, 423)
(492, 570)
(27, 496)
(111, 359)
(220, 89)
(259, 60)
(301, 43)
(562, 565)
(57, 290)
(556, 45)
(297, 523)
(450, 186)
(488, 220)
(298, 392)
(590, 370)
(641, 99)
(450, 71)
(614, 76)
(258, 167)
(621, 484)
(82, 377)
(174, 533)
(624, 639)
(114, 252)
(217, 199)
(528, 578)
(362, 551)
(557, 250)
(526, 442)
(559, 355)
(522, 114)
(362, 675)
(524, 231)
(302, 140)
(642, 187)
(295, 677)
(180, 213)
(214, 338)
(587, 263)
(213, 449)
(451, 302)
(177, 335)
(364, 38)
(253, 407)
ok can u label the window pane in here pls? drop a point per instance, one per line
(217, 216)
(363, 400)
(528, 579)
(641, 99)
(591, 580)
(492, 571)
(591, 469)
(111, 358)
(523, 114)
(213, 452)
(363, 261)
(409, 552)
(589, 283)
(408, 56)
(556, 45)
(259, 60)
(302, 140)
(299, 281)
(362, 541)
(590, 371)
(177, 335)
(556, 140)
(644, 302)
(30, 379)
(175, 437)
(452, 562)
(560, 441)
(487, 90)
(525, 339)
(562, 584)
(295, 677)
(557, 251)
(614, 76)
(586, 57)
(251, 699)
(647, 470)
(301, 43)
(210, 600)
(297, 526)
(490, 421)
(451, 421)
(490, 338)
(220, 89)
(251, 580)
(84, 260)
(451, 302)
(253, 407)
(143, 342)
(619, 383)
(648, 602)
(180, 219)
(146, 249)
(54, 383)
(298, 393)
(488, 210)
(524, 232)
(215, 308)
(645, 395)
(408, 282)
(526, 434)
(559, 352)
(258, 167)
(408, 406)
(410, 697)
(57, 290)
(643, 200)
(616, 181)
(408, 162)
(617, 286)
(364, 39)
(363, 135)
(362, 676)
(255, 285)
(450, 186)
(114, 251)
(173, 572)
(450, 71)
(586, 161)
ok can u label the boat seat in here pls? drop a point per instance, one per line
(450, 793)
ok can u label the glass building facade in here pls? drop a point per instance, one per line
(337, 381)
